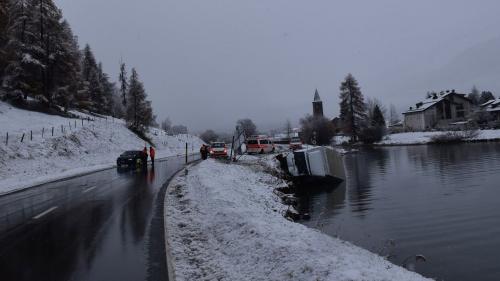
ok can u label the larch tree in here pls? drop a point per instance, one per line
(352, 107)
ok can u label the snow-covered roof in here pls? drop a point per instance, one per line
(430, 101)
(494, 105)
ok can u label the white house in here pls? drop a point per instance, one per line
(440, 110)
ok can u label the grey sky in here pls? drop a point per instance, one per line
(207, 63)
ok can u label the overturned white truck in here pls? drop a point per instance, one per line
(319, 162)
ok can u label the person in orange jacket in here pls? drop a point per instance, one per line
(152, 155)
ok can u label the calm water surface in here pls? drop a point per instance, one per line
(439, 201)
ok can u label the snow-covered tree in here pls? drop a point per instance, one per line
(139, 113)
(4, 20)
(352, 107)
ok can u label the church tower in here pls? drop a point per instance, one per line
(317, 105)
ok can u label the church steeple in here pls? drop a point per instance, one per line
(317, 105)
(316, 96)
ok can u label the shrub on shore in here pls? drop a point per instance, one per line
(455, 136)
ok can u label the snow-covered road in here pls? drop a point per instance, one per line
(223, 222)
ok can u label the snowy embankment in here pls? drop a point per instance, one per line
(412, 138)
(223, 222)
(93, 146)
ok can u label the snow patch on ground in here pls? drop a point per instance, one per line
(223, 222)
(91, 147)
(410, 138)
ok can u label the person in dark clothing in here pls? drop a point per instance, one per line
(145, 158)
(204, 152)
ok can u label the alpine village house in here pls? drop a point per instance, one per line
(439, 110)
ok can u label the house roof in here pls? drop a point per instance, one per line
(494, 105)
(432, 100)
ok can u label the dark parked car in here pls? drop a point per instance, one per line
(132, 158)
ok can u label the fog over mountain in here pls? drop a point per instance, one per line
(208, 63)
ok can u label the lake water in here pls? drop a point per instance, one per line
(439, 201)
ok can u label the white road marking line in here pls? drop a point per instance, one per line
(89, 189)
(44, 213)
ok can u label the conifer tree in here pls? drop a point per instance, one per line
(352, 107)
(123, 83)
(4, 20)
(139, 113)
(378, 119)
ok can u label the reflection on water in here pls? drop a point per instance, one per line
(439, 201)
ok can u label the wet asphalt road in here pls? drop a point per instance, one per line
(103, 226)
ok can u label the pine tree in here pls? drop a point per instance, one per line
(378, 119)
(4, 20)
(66, 71)
(123, 83)
(352, 107)
(139, 113)
(22, 67)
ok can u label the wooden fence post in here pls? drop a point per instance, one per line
(62, 129)
(75, 124)
(7, 139)
(52, 131)
(22, 138)
(82, 122)
(43, 131)
(31, 135)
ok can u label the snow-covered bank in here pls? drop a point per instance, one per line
(411, 138)
(223, 222)
(81, 149)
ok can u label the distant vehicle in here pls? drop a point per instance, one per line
(130, 159)
(295, 143)
(218, 149)
(259, 144)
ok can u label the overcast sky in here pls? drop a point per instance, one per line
(207, 63)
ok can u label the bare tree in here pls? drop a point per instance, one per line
(317, 130)
(394, 116)
(209, 136)
(248, 126)
(166, 125)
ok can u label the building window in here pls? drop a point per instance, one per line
(460, 110)
(447, 109)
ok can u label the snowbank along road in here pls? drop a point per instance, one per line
(223, 222)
